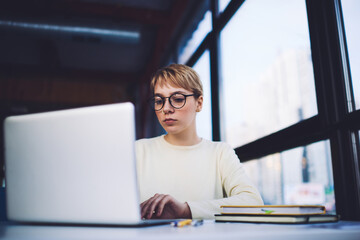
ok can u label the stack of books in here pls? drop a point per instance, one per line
(275, 214)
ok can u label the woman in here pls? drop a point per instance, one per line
(180, 174)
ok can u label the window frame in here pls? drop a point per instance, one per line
(336, 121)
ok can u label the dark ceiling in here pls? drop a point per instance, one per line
(85, 52)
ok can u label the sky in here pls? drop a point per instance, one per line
(351, 13)
(251, 42)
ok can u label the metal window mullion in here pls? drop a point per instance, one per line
(331, 81)
(344, 57)
(215, 72)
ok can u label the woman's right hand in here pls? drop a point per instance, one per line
(162, 206)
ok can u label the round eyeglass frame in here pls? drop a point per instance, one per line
(151, 101)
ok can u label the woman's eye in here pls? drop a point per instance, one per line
(158, 102)
(179, 99)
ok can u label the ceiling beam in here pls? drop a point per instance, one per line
(118, 12)
(43, 10)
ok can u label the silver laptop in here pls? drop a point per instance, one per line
(73, 167)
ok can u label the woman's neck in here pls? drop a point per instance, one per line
(183, 139)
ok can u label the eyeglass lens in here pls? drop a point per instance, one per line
(176, 100)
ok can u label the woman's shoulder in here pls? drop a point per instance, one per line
(217, 145)
(147, 141)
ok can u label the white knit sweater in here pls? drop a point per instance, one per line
(206, 175)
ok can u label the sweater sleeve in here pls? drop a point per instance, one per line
(236, 185)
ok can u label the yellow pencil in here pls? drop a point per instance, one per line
(183, 223)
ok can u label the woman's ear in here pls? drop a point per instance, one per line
(199, 103)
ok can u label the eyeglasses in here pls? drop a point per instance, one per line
(176, 100)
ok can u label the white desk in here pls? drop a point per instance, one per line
(210, 230)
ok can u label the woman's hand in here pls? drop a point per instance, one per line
(164, 207)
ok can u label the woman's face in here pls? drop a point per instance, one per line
(176, 121)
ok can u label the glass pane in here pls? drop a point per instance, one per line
(198, 36)
(351, 10)
(268, 80)
(223, 4)
(203, 119)
(298, 176)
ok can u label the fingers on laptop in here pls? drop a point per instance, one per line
(154, 206)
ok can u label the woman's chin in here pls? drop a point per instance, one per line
(171, 129)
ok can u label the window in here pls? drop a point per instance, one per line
(202, 67)
(198, 36)
(268, 109)
(203, 119)
(223, 4)
(267, 70)
(351, 9)
(299, 176)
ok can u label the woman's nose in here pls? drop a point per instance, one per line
(167, 106)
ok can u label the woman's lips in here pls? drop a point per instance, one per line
(169, 121)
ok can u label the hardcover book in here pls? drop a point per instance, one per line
(267, 218)
(275, 209)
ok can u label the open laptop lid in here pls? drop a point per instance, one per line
(72, 166)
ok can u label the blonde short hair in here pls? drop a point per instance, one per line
(178, 75)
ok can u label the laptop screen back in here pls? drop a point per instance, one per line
(72, 166)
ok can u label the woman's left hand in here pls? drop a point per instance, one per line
(164, 207)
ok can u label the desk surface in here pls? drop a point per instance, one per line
(209, 230)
